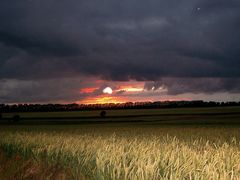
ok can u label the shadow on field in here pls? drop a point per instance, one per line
(171, 119)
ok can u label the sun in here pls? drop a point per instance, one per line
(107, 90)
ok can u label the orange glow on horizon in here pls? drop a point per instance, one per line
(125, 92)
(129, 88)
(116, 100)
(102, 100)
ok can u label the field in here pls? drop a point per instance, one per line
(197, 143)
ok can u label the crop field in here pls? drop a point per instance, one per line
(187, 148)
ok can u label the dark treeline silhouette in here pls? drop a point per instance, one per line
(128, 105)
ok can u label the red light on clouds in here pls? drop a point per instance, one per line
(88, 90)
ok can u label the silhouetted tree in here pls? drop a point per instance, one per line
(16, 118)
(103, 114)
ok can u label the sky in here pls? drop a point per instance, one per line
(69, 51)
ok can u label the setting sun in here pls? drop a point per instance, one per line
(108, 90)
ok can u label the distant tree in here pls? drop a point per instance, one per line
(16, 118)
(103, 114)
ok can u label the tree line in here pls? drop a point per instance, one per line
(127, 105)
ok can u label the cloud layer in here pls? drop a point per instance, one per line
(177, 43)
(120, 40)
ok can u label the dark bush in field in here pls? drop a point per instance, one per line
(16, 118)
(103, 114)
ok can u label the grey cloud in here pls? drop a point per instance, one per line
(54, 90)
(122, 40)
(144, 24)
(176, 86)
(136, 39)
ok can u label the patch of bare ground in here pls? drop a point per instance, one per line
(18, 168)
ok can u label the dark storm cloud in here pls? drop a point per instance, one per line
(54, 90)
(126, 39)
(176, 86)
(121, 40)
(36, 45)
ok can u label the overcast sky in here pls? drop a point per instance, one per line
(53, 50)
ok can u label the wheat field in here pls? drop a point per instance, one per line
(103, 152)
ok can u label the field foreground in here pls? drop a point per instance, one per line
(127, 151)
